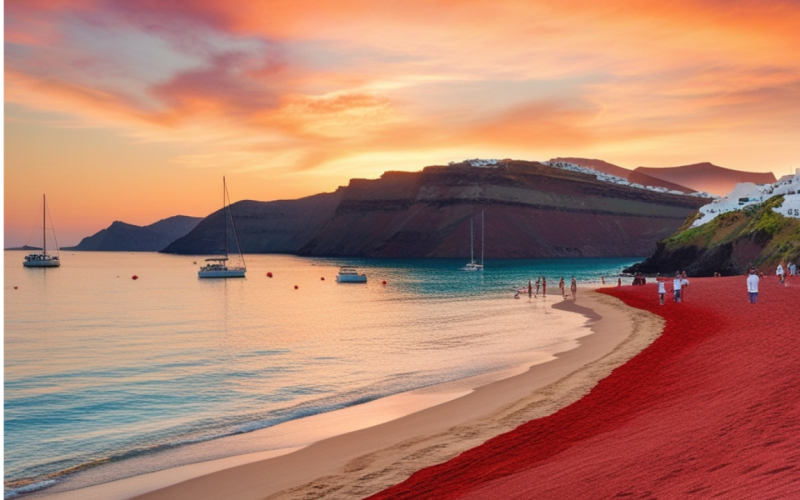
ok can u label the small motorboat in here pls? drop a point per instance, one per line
(350, 275)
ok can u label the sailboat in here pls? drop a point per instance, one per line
(217, 267)
(43, 259)
(474, 266)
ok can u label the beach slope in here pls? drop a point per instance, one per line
(710, 409)
(360, 463)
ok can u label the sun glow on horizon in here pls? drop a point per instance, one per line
(133, 110)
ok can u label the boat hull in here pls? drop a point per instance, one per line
(222, 273)
(42, 263)
(361, 278)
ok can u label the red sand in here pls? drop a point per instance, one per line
(710, 409)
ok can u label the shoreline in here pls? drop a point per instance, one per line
(709, 409)
(420, 428)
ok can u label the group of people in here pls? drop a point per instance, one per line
(679, 286)
(753, 278)
(542, 282)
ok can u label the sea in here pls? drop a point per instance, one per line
(102, 368)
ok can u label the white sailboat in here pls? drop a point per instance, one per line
(43, 259)
(474, 266)
(217, 267)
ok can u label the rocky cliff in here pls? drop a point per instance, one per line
(531, 211)
(120, 236)
(730, 244)
(281, 226)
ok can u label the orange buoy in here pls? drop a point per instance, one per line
(134, 277)
(296, 287)
(384, 282)
(269, 275)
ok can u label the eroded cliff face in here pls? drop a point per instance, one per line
(531, 211)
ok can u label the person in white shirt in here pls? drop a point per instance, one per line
(662, 290)
(676, 288)
(684, 285)
(752, 286)
(780, 274)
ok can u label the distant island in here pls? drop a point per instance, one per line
(120, 236)
(26, 248)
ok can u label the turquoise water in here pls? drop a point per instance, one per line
(100, 367)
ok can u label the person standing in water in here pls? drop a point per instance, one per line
(561, 287)
(530, 289)
(538, 284)
(544, 286)
(573, 287)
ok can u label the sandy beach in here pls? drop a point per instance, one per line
(363, 462)
(709, 409)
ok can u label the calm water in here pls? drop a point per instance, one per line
(101, 367)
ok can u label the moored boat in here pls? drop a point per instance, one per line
(217, 267)
(43, 259)
(350, 275)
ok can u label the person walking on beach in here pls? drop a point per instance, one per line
(619, 281)
(662, 290)
(781, 275)
(676, 288)
(573, 287)
(603, 280)
(684, 285)
(561, 287)
(544, 286)
(752, 286)
(538, 284)
(530, 289)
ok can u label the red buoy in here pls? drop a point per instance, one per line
(384, 282)
(134, 277)
(269, 275)
(323, 278)
(15, 288)
(296, 287)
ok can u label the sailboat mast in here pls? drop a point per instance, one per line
(44, 225)
(225, 215)
(482, 230)
(471, 240)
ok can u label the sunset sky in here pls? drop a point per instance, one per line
(133, 110)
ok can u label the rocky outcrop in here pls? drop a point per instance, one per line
(706, 177)
(531, 211)
(281, 226)
(730, 244)
(120, 236)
